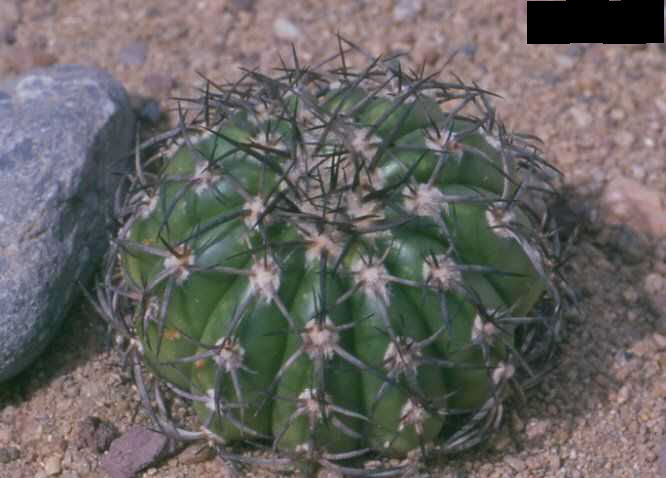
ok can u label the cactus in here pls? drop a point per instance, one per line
(337, 265)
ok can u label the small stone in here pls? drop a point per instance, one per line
(643, 348)
(134, 451)
(501, 441)
(81, 465)
(581, 116)
(10, 16)
(661, 104)
(622, 396)
(196, 454)
(134, 54)
(407, 9)
(630, 295)
(660, 340)
(9, 454)
(71, 390)
(326, 473)
(158, 84)
(516, 463)
(469, 49)
(96, 434)
(53, 465)
(565, 61)
(285, 29)
(146, 108)
(243, 5)
(624, 138)
(632, 203)
(655, 284)
(660, 389)
(5, 434)
(537, 428)
(9, 412)
(150, 111)
(617, 114)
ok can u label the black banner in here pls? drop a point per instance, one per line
(595, 21)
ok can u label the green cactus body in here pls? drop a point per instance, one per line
(337, 271)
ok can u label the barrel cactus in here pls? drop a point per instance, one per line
(336, 265)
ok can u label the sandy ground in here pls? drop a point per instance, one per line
(600, 109)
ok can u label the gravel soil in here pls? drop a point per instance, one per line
(601, 111)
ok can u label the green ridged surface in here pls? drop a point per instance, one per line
(245, 354)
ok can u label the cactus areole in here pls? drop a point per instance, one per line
(336, 265)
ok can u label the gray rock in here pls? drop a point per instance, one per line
(64, 132)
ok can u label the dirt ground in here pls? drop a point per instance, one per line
(601, 110)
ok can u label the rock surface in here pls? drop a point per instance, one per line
(63, 133)
(134, 451)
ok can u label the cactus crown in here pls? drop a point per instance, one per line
(337, 264)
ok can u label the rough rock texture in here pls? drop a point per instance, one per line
(63, 132)
(135, 450)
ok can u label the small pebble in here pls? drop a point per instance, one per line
(407, 9)
(151, 111)
(134, 54)
(617, 114)
(96, 434)
(285, 29)
(134, 451)
(581, 116)
(5, 434)
(516, 463)
(655, 284)
(630, 202)
(622, 397)
(53, 465)
(9, 454)
(9, 412)
(643, 348)
(660, 390)
(158, 84)
(660, 340)
(196, 454)
(624, 138)
(537, 428)
(146, 108)
(243, 5)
